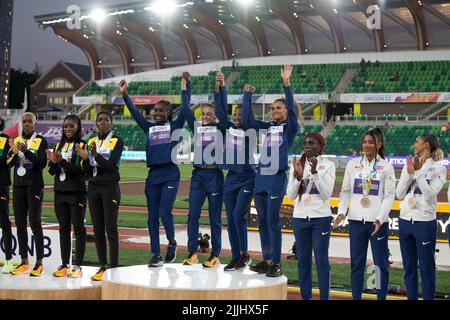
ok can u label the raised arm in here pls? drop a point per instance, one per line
(220, 103)
(186, 90)
(286, 73)
(248, 119)
(138, 117)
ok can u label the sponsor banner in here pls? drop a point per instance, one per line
(398, 97)
(98, 99)
(443, 219)
(147, 100)
(269, 98)
(52, 248)
(53, 132)
(396, 162)
(141, 156)
(133, 156)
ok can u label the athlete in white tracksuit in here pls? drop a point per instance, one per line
(369, 186)
(311, 181)
(421, 180)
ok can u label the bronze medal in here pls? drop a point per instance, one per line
(365, 202)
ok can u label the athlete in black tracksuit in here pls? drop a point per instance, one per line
(28, 191)
(70, 195)
(102, 168)
(5, 182)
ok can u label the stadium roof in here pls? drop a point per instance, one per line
(136, 36)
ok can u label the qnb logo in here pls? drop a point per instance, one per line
(374, 17)
(30, 247)
(75, 17)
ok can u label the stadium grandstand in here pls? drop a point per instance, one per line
(348, 76)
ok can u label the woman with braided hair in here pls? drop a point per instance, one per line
(311, 181)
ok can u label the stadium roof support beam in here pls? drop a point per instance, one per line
(377, 33)
(151, 39)
(256, 29)
(84, 44)
(437, 14)
(323, 9)
(187, 38)
(419, 22)
(219, 31)
(118, 42)
(293, 23)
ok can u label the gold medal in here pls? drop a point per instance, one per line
(411, 202)
(306, 199)
(365, 202)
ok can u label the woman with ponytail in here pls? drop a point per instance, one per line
(311, 182)
(422, 179)
(369, 186)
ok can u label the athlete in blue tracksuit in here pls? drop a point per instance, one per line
(270, 185)
(422, 179)
(240, 180)
(164, 175)
(206, 181)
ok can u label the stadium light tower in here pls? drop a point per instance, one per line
(246, 3)
(163, 7)
(98, 15)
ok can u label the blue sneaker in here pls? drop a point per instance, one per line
(171, 254)
(155, 261)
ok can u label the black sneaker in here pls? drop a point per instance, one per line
(155, 261)
(231, 266)
(243, 261)
(171, 254)
(261, 267)
(274, 271)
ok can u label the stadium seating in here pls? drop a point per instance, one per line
(424, 76)
(96, 90)
(398, 140)
(311, 78)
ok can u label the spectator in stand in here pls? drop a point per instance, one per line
(443, 129)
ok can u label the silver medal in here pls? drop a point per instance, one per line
(21, 171)
(94, 173)
(62, 176)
